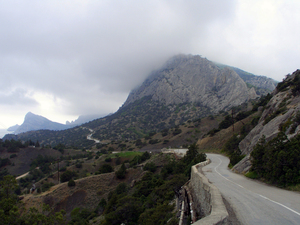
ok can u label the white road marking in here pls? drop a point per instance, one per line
(254, 192)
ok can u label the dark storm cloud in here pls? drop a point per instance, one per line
(92, 53)
(17, 97)
(84, 57)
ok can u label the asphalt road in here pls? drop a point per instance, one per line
(253, 201)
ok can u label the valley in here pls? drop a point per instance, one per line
(112, 169)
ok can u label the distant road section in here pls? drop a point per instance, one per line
(89, 137)
(253, 201)
(23, 175)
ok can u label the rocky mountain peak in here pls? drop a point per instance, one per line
(188, 78)
(36, 122)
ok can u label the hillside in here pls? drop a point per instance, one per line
(186, 88)
(280, 115)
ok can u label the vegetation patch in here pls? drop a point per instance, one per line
(125, 154)
(277, 161)
(231, 148)
(252, 175)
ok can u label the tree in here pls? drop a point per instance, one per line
(150, 166)
(71, 183)
(67, 175)
(9, 184)
(106, 168)
(121, 172)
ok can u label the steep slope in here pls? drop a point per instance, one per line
(187, 78)
(281, 114)
(262, 84)
(36, 122)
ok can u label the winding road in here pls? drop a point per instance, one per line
(253, 201)
(89, 137)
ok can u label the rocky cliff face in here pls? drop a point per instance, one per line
(188, 78)
(257, 81)
(281, 111)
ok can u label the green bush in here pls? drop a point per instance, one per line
(46, 186)
(278, 160)
(108, 159)
(227, 122)
(121, 172)
(252, 175)
(150, 167)
(71, 183)
(67, 175)
(78, 165)
(106, 168)
(231, 148)
(13, 156)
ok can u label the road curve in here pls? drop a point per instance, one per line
(253, 201)
(89, 137)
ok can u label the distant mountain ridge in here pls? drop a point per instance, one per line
(13, 128)
(84, 119)
(36, 122)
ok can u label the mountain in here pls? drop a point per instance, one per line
(36, 122)
(262, 84)
(257, 81)
(192, 79)
(13, 128)
(84, 119)
(186, 88)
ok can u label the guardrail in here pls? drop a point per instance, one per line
(207, 198)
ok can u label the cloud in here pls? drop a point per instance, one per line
(84, 57)
(96, 49)
(18, 97)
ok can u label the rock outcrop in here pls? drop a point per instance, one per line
(188, 78)
(282, 107)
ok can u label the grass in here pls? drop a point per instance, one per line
(252, 175)
(294, 188)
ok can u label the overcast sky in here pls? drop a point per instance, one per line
(61, 59)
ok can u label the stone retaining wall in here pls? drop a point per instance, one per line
(207, 199)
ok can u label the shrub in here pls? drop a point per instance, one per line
(150, 167)
(118, 161)
(71, 183)
(78, 165)
(121, 172)
(252, 175)
(67, 175)
(13, 156)
(63, 169)
(46, 186)
(166, 142)
(177, 131)
(227, 122)
(106, 168)
(108, 159)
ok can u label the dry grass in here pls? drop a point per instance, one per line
(215, 143)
